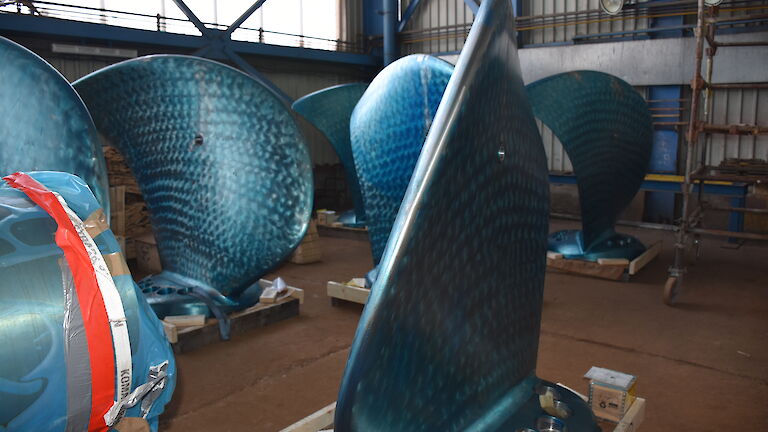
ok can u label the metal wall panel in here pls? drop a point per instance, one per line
(438, 26)
(730, 106)
(595, 22)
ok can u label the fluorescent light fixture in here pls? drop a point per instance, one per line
(94, 51)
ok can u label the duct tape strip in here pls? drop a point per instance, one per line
(100, 304)
(96, 223)
(116, 264)
(75, 357)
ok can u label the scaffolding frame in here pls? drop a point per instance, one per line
(696, 170)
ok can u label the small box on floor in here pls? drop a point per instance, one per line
(611, 393)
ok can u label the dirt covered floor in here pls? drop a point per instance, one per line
(702, 366)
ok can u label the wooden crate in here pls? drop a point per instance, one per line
(322, 420)
(188, 333)
(612, 269)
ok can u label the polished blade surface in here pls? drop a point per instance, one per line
(388, 128)
(220, 161)
(449, 337)
(330, 110)
(45, 125)
(606, 129)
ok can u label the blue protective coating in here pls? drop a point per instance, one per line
(388, 129)
(220, 161)
(33, 387)
(449, 336)
(606, 129)
(329, 110)
(45, 125)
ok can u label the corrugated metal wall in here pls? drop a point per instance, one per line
(731, 106)
(438, 26)
(589, 11)
(295, 84)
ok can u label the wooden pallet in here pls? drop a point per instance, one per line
(612, 269)
(186, 333)
(346, 292)
(322, 420)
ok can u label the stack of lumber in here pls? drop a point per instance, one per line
(118, 172)
(132, 207)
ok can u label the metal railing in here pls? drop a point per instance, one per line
(162, 23)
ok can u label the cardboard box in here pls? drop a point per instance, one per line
(147, 257)
(611, 393)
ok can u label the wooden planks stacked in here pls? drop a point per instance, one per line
(309, 250)
(118, 172)
(129, 203)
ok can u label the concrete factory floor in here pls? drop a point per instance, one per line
(702, 366)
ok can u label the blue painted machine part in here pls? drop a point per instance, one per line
(448, 339)
(605, 126)
(45, 125)
(222, 166)
(330, 110)
(33, 373)
(388, 129)
(660, 207)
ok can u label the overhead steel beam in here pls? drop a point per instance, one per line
(258, 76)
(53, 27)
(192, 17)
(409, 11)
(240, 20)
(473, 5)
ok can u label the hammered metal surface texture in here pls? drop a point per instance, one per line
(388, 129)
(448, 339)
(330, 110)
(39, 389)
(220, 161)
(606, 129)
(45, 125)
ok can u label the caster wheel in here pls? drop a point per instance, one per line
(335, 301)
(671, 290)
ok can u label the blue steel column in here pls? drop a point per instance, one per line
(660, 206)
(389, 11)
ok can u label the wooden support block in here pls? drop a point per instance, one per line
(647, 256)
(613, 261)
(343, 232)
(554, 255)
(633, 418)
(317, 421)
(185, 320)
(587, 268)
(349, 293)
(170, 332)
